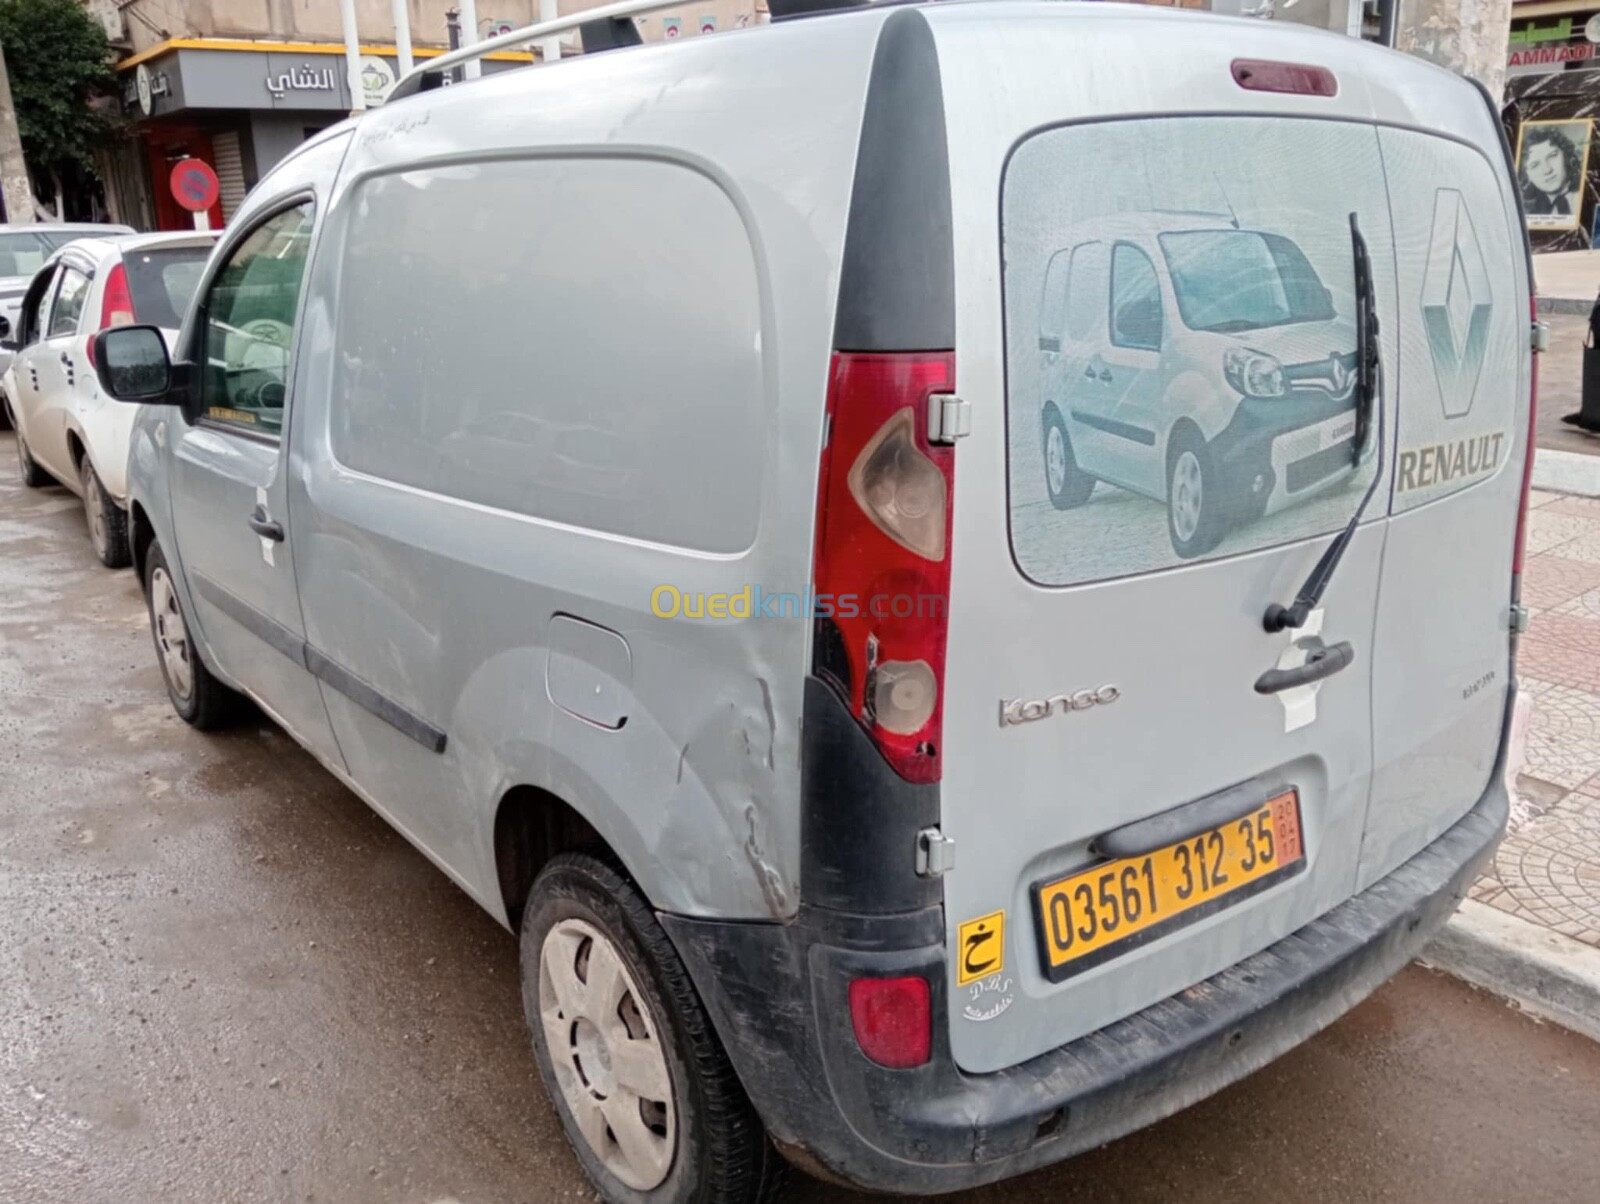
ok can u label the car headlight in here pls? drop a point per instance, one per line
(1253, 373)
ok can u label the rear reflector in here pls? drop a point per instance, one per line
(893, 1019)
(1265, 75)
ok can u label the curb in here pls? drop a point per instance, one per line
(1565, 305)
(1550, 975)
(1566, 472)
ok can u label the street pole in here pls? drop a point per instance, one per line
(550, 48)
(15, 186)
(469, 37)
(352, 55)
(402, 35)
(1469, 37)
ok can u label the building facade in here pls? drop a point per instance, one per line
(241, 83)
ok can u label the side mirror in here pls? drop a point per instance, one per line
(133, 365)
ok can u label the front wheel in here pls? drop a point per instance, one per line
(1194, 496)
(645, 1093)
(199, 698)
(33, 476)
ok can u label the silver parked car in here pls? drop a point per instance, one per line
(636, 498)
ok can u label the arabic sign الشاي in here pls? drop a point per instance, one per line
(303, 78)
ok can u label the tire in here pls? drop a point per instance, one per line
(206, 703)
(108, 522)
(33, 476)
(1068, 485)
(704, 1144)
(1194, 495)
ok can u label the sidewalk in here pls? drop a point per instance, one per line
(1531, 929)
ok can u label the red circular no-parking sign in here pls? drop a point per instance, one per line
(194, 184)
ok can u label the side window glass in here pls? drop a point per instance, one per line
(64, 312)
(1135, 300)
(248, 336)
(1086, 292)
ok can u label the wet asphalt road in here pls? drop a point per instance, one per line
(222, 978)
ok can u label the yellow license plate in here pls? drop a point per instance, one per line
(1090, 917)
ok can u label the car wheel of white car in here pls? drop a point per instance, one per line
(1068, 485)
(649, 1102)
(108, 522)
(199, 698)
(1193, 505)
(32, 475)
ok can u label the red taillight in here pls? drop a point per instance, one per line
(88, 349)
(882, 576)
(893, 1019)
(1527, 467)
(117, 309)
(1268, 75)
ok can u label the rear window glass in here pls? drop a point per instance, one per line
(1198, 401)
(23, 254)
(162, 282)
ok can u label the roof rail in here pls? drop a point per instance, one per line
(417, 79)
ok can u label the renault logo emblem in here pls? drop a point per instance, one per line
(1456, 303)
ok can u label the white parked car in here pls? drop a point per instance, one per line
(23, 250)
(66, 427)
(1195, 362)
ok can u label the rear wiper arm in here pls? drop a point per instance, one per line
(1369, 387)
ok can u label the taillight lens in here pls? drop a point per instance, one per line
(882, 574)
(1527, 468)
(893, 1019)
(117, 309)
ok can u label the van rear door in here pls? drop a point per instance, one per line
(1442, 668)
(1107, 661)
(1114, 667)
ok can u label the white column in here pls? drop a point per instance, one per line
(469, 37)
(352, 55)
(1467, 36)
(550, 48)
(402, 35)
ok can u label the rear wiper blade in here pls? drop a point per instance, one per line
(1369, 389)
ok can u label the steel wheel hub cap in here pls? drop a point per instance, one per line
(172, 636)
(606, 1053)
(1186, 498)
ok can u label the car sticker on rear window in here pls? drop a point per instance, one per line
(1181, 341)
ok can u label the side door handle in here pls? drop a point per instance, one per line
(264, 526)
(1324, 662)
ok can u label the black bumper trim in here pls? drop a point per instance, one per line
(778, 996)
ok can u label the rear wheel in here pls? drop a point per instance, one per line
(32, 475)
(108, 522)
(1068, 485)
(199, 698)
(1194, 501)
(644, 1091)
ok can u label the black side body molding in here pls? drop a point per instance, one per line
(278, 637)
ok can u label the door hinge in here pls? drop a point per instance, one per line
(936, 853)
(1519, 619)
(949, 418)
(1539, 337)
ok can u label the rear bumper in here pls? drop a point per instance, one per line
(778, 995)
